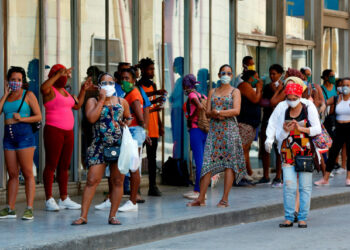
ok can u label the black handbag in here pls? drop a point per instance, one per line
(35, 125)
(302, 163)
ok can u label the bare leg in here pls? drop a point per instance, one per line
(229, 177)
(246, 149)
(323, 166)
(343, 156)
(116, 194)
(135, 183)
(297, 198)
(25, 158)
(278, 166)
(13, 172)
(205, 181)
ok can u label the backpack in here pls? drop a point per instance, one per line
(175, 173)
(203, 121)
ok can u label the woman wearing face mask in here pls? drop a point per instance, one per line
(197, 136)
(269, 90)
(223, 150)
(109, 114)
(137, 129)
(249, 118)
(328, 87)
(21, 108)
(341, 106)
(295, 127)
(58, 134)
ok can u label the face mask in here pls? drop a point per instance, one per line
(309, 78)
(340, 89)
(14, 86)
(251, 67)
(346, 90)
(331, 79)
(293, 104)
(61, 82)
(254, 82)
(127, 86)
(277, 84)
(225, 79)
(110, 90)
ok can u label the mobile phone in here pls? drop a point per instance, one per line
(288, 121)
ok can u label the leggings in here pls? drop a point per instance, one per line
(197, 141)
(342, 136)
(58, 153)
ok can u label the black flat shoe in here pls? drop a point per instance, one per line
(302, 225)
(283, 225)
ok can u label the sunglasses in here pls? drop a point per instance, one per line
(222, 73)
(106, 83)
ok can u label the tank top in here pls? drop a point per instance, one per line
(59, 112)
(12, 107)
(342, 110)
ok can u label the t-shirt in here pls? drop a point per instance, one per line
(328, 94)
(153, 126)
(120, 92)
(132, 96)
(191, 96)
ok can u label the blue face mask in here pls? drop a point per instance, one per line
(346, 90)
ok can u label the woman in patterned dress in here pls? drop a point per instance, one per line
(223, 150)
(108, 114)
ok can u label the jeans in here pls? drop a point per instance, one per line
(197, 141)
(290, 179)
(18, 136)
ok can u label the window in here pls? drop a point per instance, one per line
(336, 5)
(251, 16)
(295, 19)
(296, 57)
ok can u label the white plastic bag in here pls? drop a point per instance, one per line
(129, 155)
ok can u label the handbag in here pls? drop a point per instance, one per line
(323, 140)
(302, 163)
(35, 125)
(129, 155)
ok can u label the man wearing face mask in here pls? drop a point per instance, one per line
(247, 64)
(58, 133)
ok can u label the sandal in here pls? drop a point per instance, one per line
(83, 222)
(114, 221)
(223, 204)
(195, 203)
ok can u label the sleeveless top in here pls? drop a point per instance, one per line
(250, 113)
(12, 107)
(59, 111)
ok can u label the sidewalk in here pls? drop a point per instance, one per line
(158, 218)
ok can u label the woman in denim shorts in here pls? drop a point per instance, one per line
(21, 109)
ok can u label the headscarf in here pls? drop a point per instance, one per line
(189, 81)
(296, 80)
(62, 81)
(293, 88)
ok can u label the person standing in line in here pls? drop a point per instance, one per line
(58, 134)
(247, 64)
(109, 114)
(250, 115)
(21, 109)
(155, 126)
(223, 149)
(198, 137)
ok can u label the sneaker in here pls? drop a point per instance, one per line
(129, 207)
(243, 183)
(28, 214)
(154, 191)
(340, 171)
(263, 180)
(51, 205)
(193, 195)
(104, 205)
(277, 183)
(68, 204)
(321, 182)
(6, 213)
(331, 175)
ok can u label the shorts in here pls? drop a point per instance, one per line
(247, 133)
(18, 136)
(138, 134)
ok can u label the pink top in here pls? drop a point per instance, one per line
(59, 112)
(191, 96)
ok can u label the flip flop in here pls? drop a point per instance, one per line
(195, 203)
(223, 204)
(114, 221)
(75, 223)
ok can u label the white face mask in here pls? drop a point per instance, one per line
(293, 104)
(225, 79)
(277, 84)
(340, 89)
(110, 90)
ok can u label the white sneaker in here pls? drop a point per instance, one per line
(68, 204)
(331, 175)
(104, 205)
(129, 207)
(51, 205)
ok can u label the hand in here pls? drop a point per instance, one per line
(7, 89)
(288, 126)
(297, 125)
(268, 146)
(159, 100)
(162, 92)
(17, 117)
(66, 72)
(260, 84)
(214, 113)
(88, 84)
(123, 123)
(157, 108)
(102, 95)
(322, 108)
(148, 140)
(280, 87)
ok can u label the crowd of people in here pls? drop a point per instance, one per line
(293, 115)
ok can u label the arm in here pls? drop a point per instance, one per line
(210, 113)
(146, 117)
(136, 107)
(93, 109)
(278, 97)
(252, 95)
(81, 97)
(46, 87)
(330, 101)
(236, 105)
(314, 120)
(126, 113)
(4, 97)
(34, 105)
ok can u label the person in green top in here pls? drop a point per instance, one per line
(328, 88)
